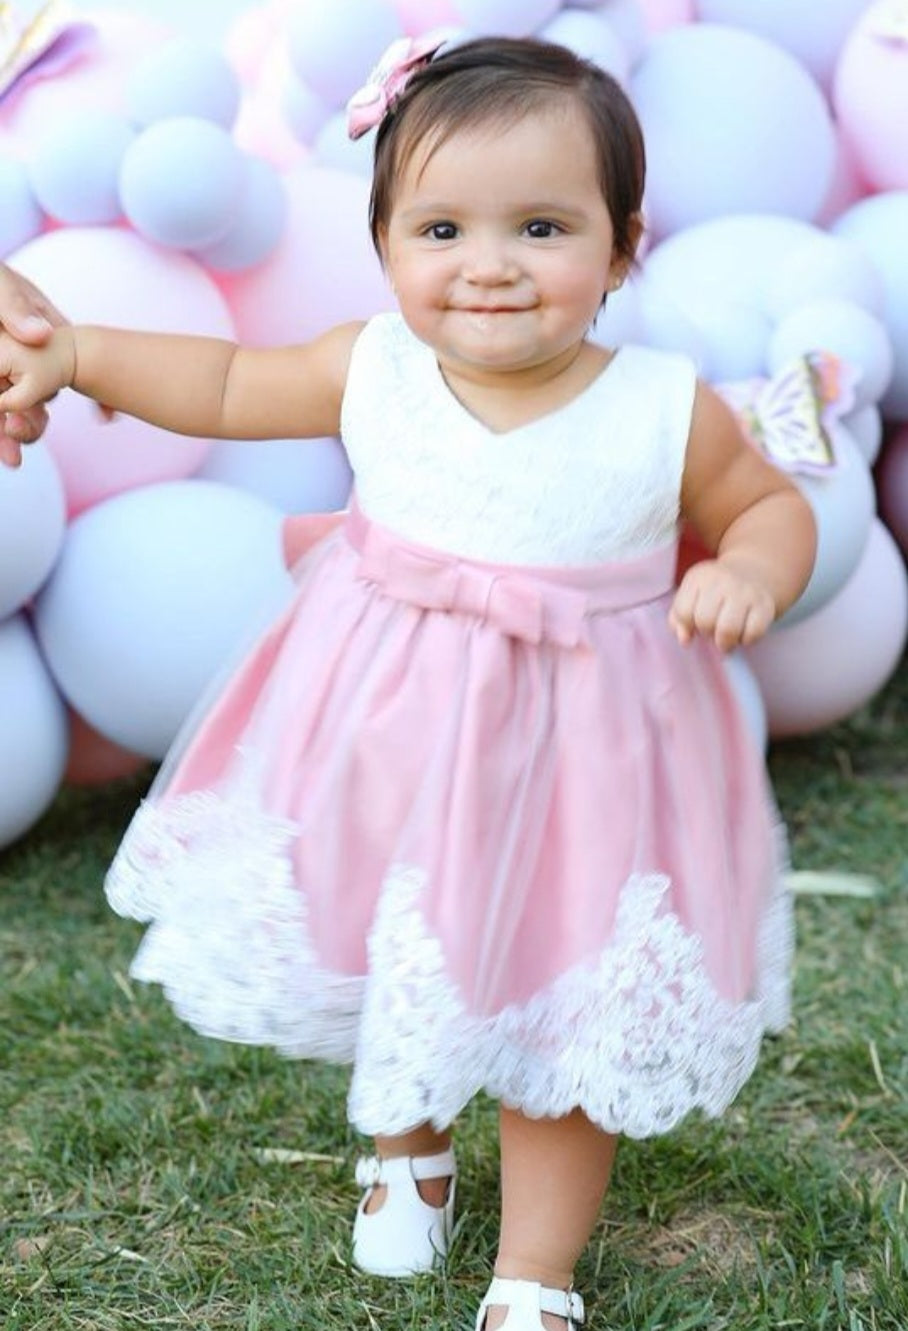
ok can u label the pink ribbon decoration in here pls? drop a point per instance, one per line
(792, 415)
(371, 103)
(40, 47)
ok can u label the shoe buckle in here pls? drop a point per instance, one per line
(368, 1171)
(574, 1309)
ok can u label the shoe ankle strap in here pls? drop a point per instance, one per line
(371, 1170)
(558, 1302)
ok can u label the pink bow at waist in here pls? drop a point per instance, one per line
(535, 604)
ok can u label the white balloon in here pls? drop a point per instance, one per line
(333, 47)
(334, 149)
(153, 589)
(184, 78)
(295, 475)
(506, 18)
(865, 428)
(879, 226)
(843, 502)
(621, 321)
(735, 337)
(32, 522)
(726, 258)
(817, 672)
(812, 32)
(750, 699)
(733, 124)
(589, 36)
(848, 332)
(34, 732)
(824, 268)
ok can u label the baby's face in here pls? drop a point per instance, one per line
(500, 244)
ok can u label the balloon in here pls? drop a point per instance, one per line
(865, 427)
(75, 169)
(812, 32)
(334, 47)
(153, 589)
(181, 182)
(295, 475)
(750, 699)
(824, 267)
(627, 20)
(506, 18)
(845, 329)
(335, 149)
(817, 672)
(870, 96)
(183, 78)
(847, 184)
(843, 504)
(323, 271)
(417, 16)
(893, 486)
(878, 226)
(33, 732)
(32, 521)
(591, 37)
(21, 217)
(257, 224)
(727, 258)
(733, 124)
(659, 15)
(734, 337)
(110, 276)
(304, 110)
(93, 759)
(96, 83)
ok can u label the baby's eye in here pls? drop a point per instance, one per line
(541, 228)
(441, 231)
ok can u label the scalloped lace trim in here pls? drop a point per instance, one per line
(637, 1038)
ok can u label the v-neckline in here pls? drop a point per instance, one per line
(448, 393)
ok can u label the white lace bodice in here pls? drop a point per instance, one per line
(596, 480)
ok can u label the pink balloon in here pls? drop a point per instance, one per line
(847, 186)
(662, 14)
(93, 759)
(422, 15)
(892, 483)
(106, 275)
(323, 271)
(870, 96)
(819, 670)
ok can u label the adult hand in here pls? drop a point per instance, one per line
(29, 317)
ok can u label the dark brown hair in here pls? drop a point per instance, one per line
(502, 79)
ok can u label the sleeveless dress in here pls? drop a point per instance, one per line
(466, 815)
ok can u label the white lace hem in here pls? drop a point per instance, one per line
(637, 1037)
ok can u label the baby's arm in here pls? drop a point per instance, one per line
(192, 385)
(757, 522)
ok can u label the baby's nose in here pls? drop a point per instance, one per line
(490, 262)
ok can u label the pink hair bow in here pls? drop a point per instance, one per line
(385, 85)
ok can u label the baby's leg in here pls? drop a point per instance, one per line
(420, 1141)
(404, 1221)
(554, 1174)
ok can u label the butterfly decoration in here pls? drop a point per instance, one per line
(889, 21)
(41, 45)
(792, 416)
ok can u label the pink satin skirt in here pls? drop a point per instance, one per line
(472, 827)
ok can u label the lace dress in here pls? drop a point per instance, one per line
(466, 815)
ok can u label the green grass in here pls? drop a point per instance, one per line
(134, 1191)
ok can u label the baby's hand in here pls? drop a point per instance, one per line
(31, 376)
(720, 603)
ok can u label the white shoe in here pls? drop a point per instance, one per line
(406, 1235)
(526, 1301)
